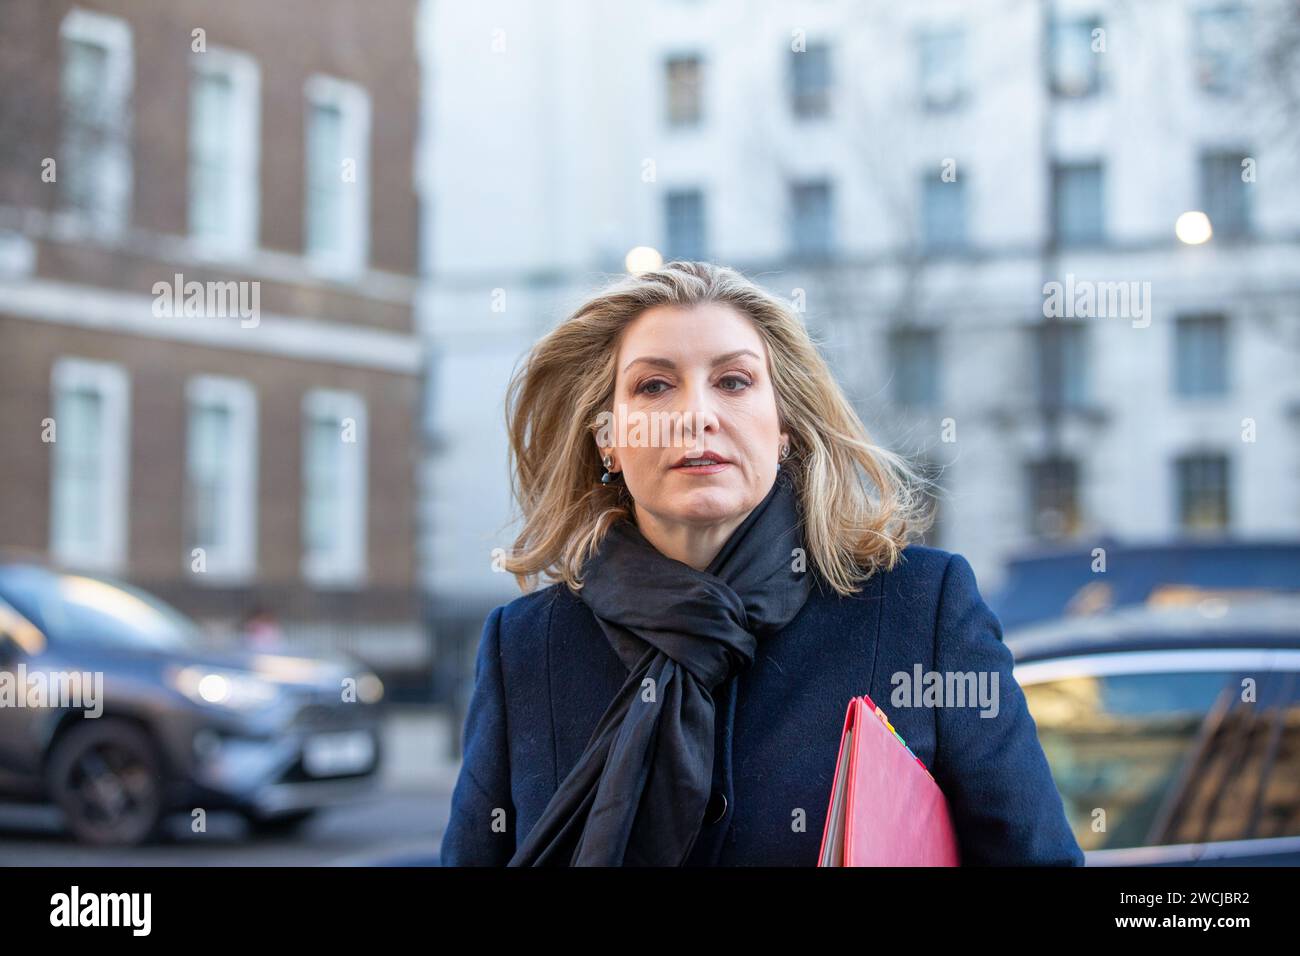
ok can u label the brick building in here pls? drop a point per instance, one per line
(209, 377)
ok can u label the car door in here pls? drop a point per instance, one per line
(21, 645)
(1174, 757)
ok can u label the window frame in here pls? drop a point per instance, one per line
(111, 382)
(1182, 385)
(348, 567)
(110, 214)
(823, 250)
(1210, 193)
(811, 102)
(902, 349)
(352, 101)
(1201, 456)
(695, 118)
(1054, 342)
(1059, 172)
(244, 157)
(238, 562)
(937, 34)
(1203, 17)
(673, 248)
(1058, 25)
(1036, 469)
(932, 246)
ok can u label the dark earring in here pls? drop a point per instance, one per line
(785, 452)
(608, 462)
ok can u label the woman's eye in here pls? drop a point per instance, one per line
(732, 383)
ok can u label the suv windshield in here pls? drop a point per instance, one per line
(89, 611)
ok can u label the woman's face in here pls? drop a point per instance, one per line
(701, 373)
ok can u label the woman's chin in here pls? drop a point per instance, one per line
(705, 506)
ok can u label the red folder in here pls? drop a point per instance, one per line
(885, 809)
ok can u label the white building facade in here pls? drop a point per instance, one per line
(916, 178)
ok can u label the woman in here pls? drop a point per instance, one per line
(731, 565)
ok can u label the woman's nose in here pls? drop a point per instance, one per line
(699, 416)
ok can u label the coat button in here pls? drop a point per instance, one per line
(717, 808)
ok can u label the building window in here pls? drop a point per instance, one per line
(943, 214)
(1200, 356)
(94, 165)
(810, 81)
(683, 75)
(89, 469)
(224, 135)
(337, 178)
(1202, 481)
(1224, 196)
(1222, 49)
(941, 67)
(812, 230)
(221, 474)
(1078, 203)
(334, 488)
(914, 366)
(684, 224)
(1054, 497)
(1062, 352)
(1075, 65)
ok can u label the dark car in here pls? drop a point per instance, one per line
(1173, 729)
(115, 707)
(1048, 583)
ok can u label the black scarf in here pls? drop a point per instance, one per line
(638, 793)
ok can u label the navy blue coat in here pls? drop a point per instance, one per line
(545, 674)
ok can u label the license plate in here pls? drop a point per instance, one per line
(329, 755)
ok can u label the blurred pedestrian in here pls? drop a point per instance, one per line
(260, 629)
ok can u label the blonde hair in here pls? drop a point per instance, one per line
(861, 504)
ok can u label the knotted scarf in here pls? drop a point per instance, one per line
(637, 795)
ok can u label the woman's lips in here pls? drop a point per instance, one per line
(702, 469)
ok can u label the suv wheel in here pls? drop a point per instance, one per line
(104, 774)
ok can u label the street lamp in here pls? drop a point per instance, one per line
(643, 259)
(1193, 228)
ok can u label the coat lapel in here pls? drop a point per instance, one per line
(585, 675)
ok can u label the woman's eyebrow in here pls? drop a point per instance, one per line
(669, 363)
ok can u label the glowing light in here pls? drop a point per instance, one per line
(643, 259)
(1193, 228)
(214, 688)
(370, 689)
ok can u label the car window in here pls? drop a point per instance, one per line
(1159, 758)
(1261, 797)
(86, 611)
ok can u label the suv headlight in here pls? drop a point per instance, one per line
(370, 689)
(220, 688)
